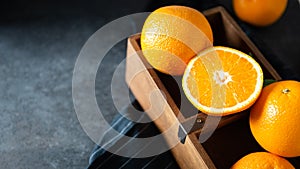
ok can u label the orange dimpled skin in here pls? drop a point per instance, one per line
(172, 35)
(275, 118)
(259, 12)
(262, 160)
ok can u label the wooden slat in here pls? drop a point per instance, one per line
(145, 82)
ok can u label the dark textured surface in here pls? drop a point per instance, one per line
(39, 43)
(39, 128)
(38, 50)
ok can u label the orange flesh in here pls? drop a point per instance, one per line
(243, 82)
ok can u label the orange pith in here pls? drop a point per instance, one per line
(222, 81)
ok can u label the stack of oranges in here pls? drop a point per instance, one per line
(219, 81)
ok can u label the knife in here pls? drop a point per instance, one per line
(196, 124)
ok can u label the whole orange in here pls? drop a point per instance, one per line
(274, 118)
(259, 12)
(262, 160)
(172, 35)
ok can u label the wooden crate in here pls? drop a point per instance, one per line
(233, 138)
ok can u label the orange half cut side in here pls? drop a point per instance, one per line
(222, 81)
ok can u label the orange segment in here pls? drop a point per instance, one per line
(222, 81)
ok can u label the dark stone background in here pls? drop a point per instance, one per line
(39, 43)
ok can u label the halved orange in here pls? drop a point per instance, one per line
(222, 81)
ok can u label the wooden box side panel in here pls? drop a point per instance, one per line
(142, 83)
